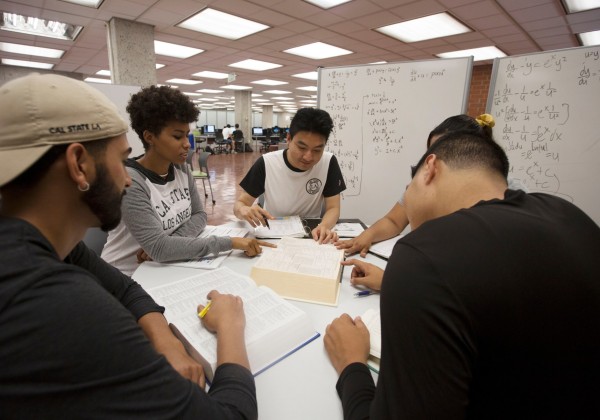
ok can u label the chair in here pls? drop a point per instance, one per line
(238, 139)
(203, 174)
(220, 142)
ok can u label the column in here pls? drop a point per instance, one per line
(131, 53)
(243, 112)
(267, 116)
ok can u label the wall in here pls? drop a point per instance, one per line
(478, 93)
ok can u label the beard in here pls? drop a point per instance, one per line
(104, 199)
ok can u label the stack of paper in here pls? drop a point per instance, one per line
(281, 227)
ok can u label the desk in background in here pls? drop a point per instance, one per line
(302, 386)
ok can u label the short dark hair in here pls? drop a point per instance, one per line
(31, 176)
(312, 120)
(463, 149)
(460, 122)
(153, 107)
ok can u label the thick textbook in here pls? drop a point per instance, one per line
(372, 320)
(301, 269)
(274, 328)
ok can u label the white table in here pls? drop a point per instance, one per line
(302, 386)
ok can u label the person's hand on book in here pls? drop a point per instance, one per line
(142, 256)
(365, 274)
(255, 215)
(323, 235)
(347, 341)
(251, 246)
(361, 244)
(226, 313)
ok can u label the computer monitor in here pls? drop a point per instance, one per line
(209, 129)
(275, 130)
(257, 131)
(287, 130)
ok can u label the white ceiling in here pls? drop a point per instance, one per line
(514, 26)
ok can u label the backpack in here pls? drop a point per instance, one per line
(209, 149)
(247, 147)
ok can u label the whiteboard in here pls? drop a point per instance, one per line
(120, 95)
(547, 111)
(382, 115)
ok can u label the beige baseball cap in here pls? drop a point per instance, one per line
(40, 111)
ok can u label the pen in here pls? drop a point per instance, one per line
(203, 312)
(364, 293)
(265, 219)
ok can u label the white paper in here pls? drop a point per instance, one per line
(281, 227)
(348, 230)
(385, 248)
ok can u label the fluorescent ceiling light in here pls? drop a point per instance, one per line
(40, 27)
(236, 87)
(590, 38)
(574, 6)
(88, 3)
(192, 94)
(107, 72)
(210, 91)
(260, 100)
(428, 27)
(309, 88)
(327, 4)
(269, 82)
(171, 86)
(311, 75)
(277, 92)
(24, 63)
(211, 74)
(97, 80)
(28, 50)
(175, 50)
(255, 65)
(256, 94)
(318, 51)
(379, 62)
(221, 103)
(483, 53)
(282, 98)
(224, 25)
(308, 101)
(266, 104)
(208, 99)
(184, 81)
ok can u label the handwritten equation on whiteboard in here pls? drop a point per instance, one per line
(538, 104)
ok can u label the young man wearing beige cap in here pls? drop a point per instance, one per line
(70, 342)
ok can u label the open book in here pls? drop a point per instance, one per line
(301, 269)
(274, 328)
(372, 320)
(210, 262)
(280, 227)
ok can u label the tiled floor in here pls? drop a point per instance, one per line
(226, 172)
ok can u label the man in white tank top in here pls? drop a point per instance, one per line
(301, 180)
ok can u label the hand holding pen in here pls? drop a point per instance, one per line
(222, 312)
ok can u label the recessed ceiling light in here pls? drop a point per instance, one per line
(211, 74)
(318, 51)
(379, 62)
(175, 50)
(224, 25)
(97, 80)
(192, 94)
(235, 87)
(184, 81)
(256, 94)
(40, 27)
(24, 63)
(88, 3)
(277, 92)
(309, 88)
(428, 27)
(282, 98)
(28, 50)
(590, 38)
(311, 75)
(210, 91)
(483, 53)
(269, 82)
(208, 99)
(107, 72)
(574, 6)
(260, 100)
(255, 65)
(327, 4)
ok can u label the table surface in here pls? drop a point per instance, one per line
(301, 386)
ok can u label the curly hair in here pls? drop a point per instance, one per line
(312, 120)
(153, 107)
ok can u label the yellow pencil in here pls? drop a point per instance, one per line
(203, 312)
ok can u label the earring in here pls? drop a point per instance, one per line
(85, 188)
